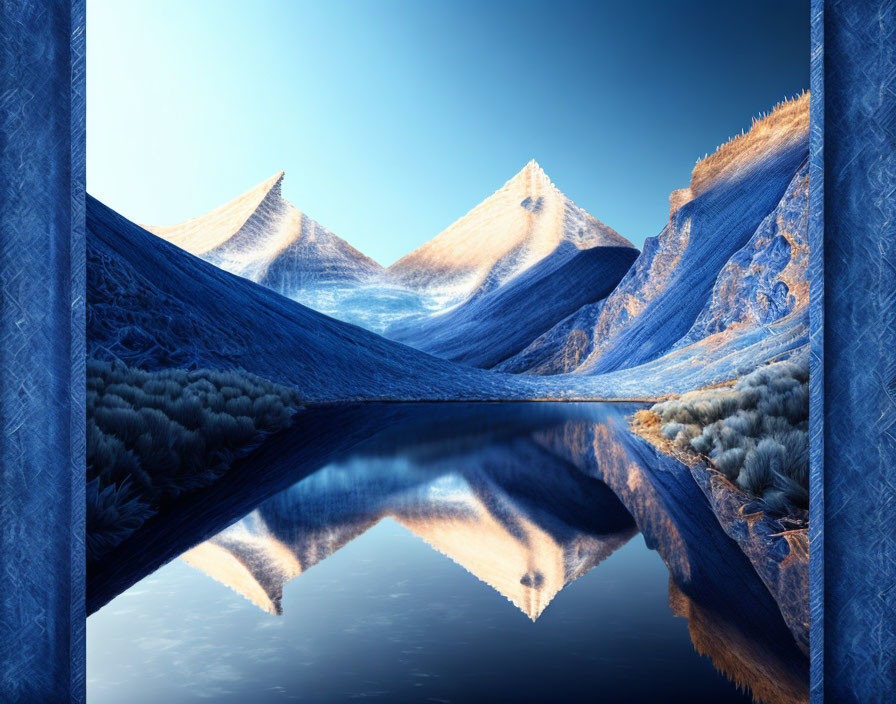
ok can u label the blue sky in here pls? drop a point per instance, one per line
(393, 118)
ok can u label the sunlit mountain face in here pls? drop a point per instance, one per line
(528, 498)
(526, 227)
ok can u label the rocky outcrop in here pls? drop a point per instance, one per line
(768, 279)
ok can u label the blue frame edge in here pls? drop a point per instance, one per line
(816, 353)
(78, 267)
(853, 339)
(42, 394)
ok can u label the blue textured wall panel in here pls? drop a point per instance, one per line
(816, 355)
(857, 355)
(41, 351)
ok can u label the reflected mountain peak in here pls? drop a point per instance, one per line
(527, 566)
(484, 517)
(525, 497)
(251, 562)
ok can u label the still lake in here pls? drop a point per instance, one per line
(493, 552)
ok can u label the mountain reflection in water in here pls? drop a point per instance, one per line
(525, 496)
(478, 506)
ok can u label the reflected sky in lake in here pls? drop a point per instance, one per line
(456, 553)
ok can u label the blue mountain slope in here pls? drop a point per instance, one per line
(488, 328)
(767, 279)
(559, 350)
(730, 264)
(720, 222)
(154, 306)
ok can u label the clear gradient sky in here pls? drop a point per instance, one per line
(392, 118)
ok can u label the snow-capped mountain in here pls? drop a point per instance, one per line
(510, 231)
(490, 327)
(729, 270)
(263, 237)
(526, 254)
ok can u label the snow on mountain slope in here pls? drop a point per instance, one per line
(264, 238)
(707, 274)
(492, 326)
(519, 225)
(154, 306)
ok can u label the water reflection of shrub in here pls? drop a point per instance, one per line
(755, 433)
(153, 435)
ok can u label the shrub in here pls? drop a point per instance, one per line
(113, 513)
(730, 462)
(755, 433)
(153, 435)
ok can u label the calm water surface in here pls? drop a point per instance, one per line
(445, 553)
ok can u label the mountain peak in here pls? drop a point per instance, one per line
(263, 237)
(532, 178)
(533, 168)
(524, 221)
(277, 178)
(204, 233)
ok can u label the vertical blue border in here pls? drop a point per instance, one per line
(853, 303)
(816, 353)
(42, 395)
(78, 410)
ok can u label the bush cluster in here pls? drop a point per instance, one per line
(755, 433)
(153, 435)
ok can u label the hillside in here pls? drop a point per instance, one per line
(479, 331)
(729, 267)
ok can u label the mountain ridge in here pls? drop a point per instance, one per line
(532, 215)
(679, 281)
(261, 236)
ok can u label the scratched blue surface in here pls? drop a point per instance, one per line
(42, 351)
(816, 355)
(854, 440)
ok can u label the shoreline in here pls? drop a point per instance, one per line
(779, 556)
(583, 399)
